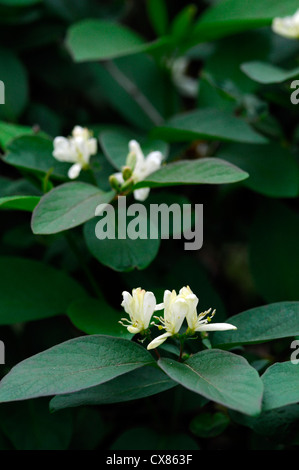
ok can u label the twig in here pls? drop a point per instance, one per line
(134, 92)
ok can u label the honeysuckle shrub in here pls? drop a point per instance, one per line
(156, 103)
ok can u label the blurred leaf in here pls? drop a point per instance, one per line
(32, 290)
(72, 366)
(231, 16)
(10, 131)
(30, 426)
(23, 203)
(19, 3)
(273, 170)
(260, 324)
(122, 254)
(115, 145)
(201, 171)
(94, 39)
(207, 124)
(67, 206)
(281, 385)
(34, 153)
(158, 15)
(262, 72)
(143, 382)
(207, 425)
(212, 372)
(97, 317)
(14, 76)
(274, 252)
(182, 23)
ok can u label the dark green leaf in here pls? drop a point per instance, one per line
(208, 124)
(267, 73)
(32, 290)
(97, 317)
(281, 385)
(221, 376)
(134, 385)
(67, 206)
(279, 320)
(75, 365)
(23, 203)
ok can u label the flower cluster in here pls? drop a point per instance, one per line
(76, 149)
(138, 167)
(141, 305)
(287, 26)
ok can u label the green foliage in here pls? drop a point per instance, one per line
(209, 87)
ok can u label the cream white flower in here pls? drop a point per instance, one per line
(141, 167)
(76, 149)
(188, 86)
(200, 323)
(140, 306)
(287, 26)
(176, 308)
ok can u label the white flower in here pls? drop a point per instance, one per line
(140, 306)
(141, 167)
(288, 26)
(200, 323)
(187, 85)
(76, 149)
(176, 308)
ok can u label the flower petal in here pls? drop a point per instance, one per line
(158, 341)
(74, 171)
(216, 327)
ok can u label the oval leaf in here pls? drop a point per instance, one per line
(281, 384)
(141, 383)
(279, 320)
(67, 206)
(220, 376)
(71, 366)
(22, 203)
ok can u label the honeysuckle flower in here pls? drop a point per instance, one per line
(287, 26)
(188, 86)
(140, 307)
(176, 308)
(76, 149)
(140, 166)
(200, 323)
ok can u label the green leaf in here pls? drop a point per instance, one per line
(34, 153)
(122, 254)
(208, 124)
(207, 425)
(14, 76)
(31, 290)
(19, 3)
(72, 366)
(201, 171)
(274, 252)
(94, 39)
(97, 317)
(231, 16)
(23, 203)
(158, 15)
(11, 131)
(267, 73)
(257, 325)
(30, 426)
(143, 382)
(67, 206)
(281, 385)
(273, 170)
(220, 376)
(115, 145)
